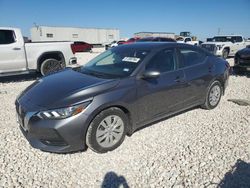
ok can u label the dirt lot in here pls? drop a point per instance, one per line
(197, 148)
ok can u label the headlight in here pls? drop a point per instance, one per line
(62, 113)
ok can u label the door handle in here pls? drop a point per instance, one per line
(16, 48)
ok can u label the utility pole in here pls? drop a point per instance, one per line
(219, 31)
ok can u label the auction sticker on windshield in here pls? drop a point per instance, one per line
(131, 59)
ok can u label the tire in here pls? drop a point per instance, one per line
(50, 66)
(225, 53)
(213, 96)
(100, 134)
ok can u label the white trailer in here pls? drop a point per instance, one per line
(89, 35)
(154, 34)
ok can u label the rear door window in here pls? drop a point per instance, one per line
(190, 56)
(7, 37)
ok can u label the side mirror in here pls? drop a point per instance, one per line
(151, 74)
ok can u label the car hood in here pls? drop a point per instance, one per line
(63, 89)
(244, 53)
(218, 43)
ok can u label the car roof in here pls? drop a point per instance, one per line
(152, 45)
(228, 36)
(8, 28)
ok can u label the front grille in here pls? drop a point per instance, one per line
(244, 62)
(54, 142)
(209, 47)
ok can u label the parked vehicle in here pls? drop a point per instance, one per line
(242, 60)
(114, 44)
(118, 92)
(187, 40)
(18, 57)
(156, 39)
(131, 40)
(185, 34)
(117, 43)
(226, 45)
(80, 46)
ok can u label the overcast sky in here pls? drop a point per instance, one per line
(204, 18)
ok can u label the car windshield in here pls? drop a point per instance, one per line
(222, 39)
(115, 63)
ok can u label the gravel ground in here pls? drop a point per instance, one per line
(197, 148)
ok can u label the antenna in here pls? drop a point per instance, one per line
(219, 31)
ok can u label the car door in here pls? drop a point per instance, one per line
(12, 56)
(198, 72)
(160, 96)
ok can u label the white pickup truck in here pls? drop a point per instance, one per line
(187, 40)
(226, 45)
(18, 57)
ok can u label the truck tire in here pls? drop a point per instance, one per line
(50, 66)
(225, 53)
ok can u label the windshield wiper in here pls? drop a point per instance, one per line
(94, 73)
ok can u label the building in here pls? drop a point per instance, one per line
(89, 35)
(155, 34)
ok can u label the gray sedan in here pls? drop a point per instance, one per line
(118, 92)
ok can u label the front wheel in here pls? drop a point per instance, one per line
(213, 96)
(107, 130)
(50, 66)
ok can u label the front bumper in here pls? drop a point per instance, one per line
(240, 68)
(242, 65)
(59, 136)
(213, 49)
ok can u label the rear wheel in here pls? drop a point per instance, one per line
(225, 53)
(213, 96)
(50, 66)
(107, 130)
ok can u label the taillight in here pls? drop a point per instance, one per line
(73, 48)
